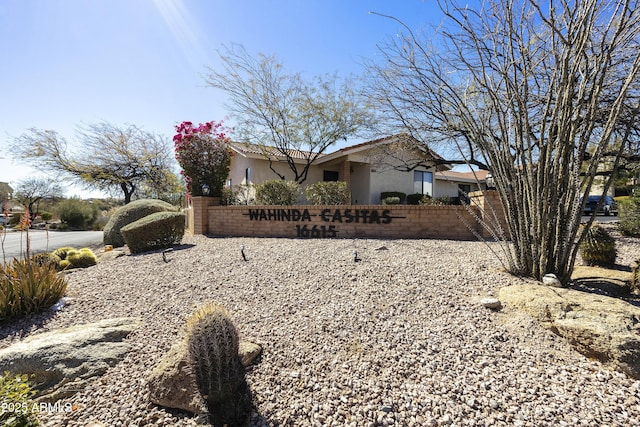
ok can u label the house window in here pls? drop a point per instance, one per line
(423, 182)
(330, 176)
(464, 189)
(247, 175)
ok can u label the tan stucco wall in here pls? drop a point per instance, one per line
(393, 180)
(446, 189)
(260, 171)
(360, 184)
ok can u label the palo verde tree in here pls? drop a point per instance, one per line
(283, 114)
(109, 157)
(538, 92)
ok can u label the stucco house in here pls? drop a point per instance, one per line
(392, 163)
(456, 184)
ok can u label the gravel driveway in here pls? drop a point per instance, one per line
(398, 338)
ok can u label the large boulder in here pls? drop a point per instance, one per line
(600, 327)
(64, 360)
(130, 213)
(173, 384)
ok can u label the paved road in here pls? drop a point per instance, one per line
(15, 241)
(601, 218)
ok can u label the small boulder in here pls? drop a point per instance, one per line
(248, 352)
(63, 361)
(173, 384)
(491, 303)
(551, 280)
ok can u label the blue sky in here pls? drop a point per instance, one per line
(71, 62)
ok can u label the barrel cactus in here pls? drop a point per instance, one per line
(598, 247)
(212, 342)
(82, 258)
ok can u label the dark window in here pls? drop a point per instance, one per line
(464, 189)
(330, 176)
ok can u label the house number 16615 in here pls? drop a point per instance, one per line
(315, 232)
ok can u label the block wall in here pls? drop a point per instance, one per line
(347, 221)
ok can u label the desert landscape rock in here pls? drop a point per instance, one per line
(600, 327)
(172, 383)
(64, 360)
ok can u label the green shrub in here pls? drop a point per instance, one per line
(598, 247)
(76, 213)
(155, 231)
(414, 199)
(278, 192)
(629, 216)
(27, 287)
(390, 201)
(435, 201)
(212, 342)
(328, 193)
(130, 213)
(238, 195)
(400, 195)
(46, 216)
(16, 394)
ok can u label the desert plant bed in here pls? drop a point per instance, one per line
(398, 337)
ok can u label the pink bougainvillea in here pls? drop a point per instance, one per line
(203, 154)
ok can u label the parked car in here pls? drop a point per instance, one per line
(609, 206)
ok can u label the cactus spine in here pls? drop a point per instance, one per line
(212, 342)
(598, 247)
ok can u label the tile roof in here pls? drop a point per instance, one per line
(479, 175)
(246, 148)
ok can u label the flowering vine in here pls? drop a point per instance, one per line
(203, 154)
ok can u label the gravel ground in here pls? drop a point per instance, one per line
(399, 338)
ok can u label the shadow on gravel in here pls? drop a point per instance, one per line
(20, 328)
(165, 251)
(606, 287)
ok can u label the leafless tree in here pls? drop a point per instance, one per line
(538, 92)
(109, 157)
(284, 114)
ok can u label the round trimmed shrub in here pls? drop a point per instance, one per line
(130, 213)
(393, 194)
(328, 193)
(278, 192)
(155, 231)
